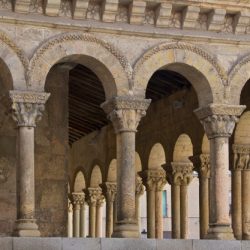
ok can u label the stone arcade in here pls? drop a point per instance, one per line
(104, 102)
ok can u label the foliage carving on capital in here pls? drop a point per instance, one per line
(95, 196)
(109, 190)
(181, 173)
(219, 120)
(139, 188)
(77, 198)
(154, 179)
(126, 112)
(27, 107)
(241, 157)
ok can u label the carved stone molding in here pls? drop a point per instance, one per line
(109, 191)
(20, 54)
(77, 198)
(183, 46)
(219, 120)
(180, 173)
(126, 112)
(78, 36)
(241, 157)
(154, 179)
(27, 107)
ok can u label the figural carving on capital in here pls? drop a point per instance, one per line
(201, 164)
(126, 112)
(219, 120)
(27, 107)
(241, 157)
(139, 188)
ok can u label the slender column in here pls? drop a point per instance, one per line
(27, 110)
(98, 226)
(160, 183)
(109, 190)
(202, 166)
(70, 220)
(77, 201)
(93, 195)
(241, 193)
(219, 122)
(82, 218)
(139, 191)
(240, 161)
(125, 114)
(154, 180)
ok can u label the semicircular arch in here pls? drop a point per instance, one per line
(104, 59)
(156, 156)
(183, 149)
(194, 63)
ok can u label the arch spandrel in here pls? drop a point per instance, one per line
(107, 62)
(96, 177)
(183, 149)
(15, 60)
(156, 157)
(238, 77)
(197, 65)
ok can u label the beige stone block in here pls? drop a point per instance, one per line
(216, 244)
(174, 244)
(77, 244)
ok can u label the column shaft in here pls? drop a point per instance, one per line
(70, 221)
(158, 215)
(184, 211)
(82, 221)
(92, 219)
(138, 212)
(98, 227)
(246, 204)
(175, 193)
(109, 218)
(236, 204)
(151, 213)
(204, 206)
(76, 220)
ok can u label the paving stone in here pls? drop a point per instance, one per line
(216, 245)
(174, 244)
(27, 243)
(128, 244)
(81, 244)
(5, 243)
(245, 245)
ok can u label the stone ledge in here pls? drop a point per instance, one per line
(9, 243)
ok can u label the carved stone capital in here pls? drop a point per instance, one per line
(180, 173)
(154, 179)
(95, 196)
(109, 190)
(202, 164)
(27, 107)
(126, 112)
(219, 120)
(139, 188)
(241, 157)
(77, 198)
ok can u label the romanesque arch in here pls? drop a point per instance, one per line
(96, 177)
(183, 149)
(112, 175)
(156, 157)
(238, 77)
(79, 183)
(194, 63)
(13, 62)
(107, 62)
(205, 146)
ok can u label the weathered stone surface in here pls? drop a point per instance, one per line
(6, 243)
(81, 244)
(174, 244)
(218, 245)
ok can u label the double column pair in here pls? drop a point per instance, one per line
(241, 192)
(179, 175)
(79, 218)
(154, 180)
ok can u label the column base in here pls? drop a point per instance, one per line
(126, 229)
(220, 232)
(26, 228)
